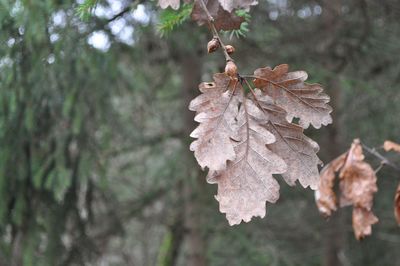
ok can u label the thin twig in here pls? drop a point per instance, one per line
(128, 8)
(384, 160)
(211, 23)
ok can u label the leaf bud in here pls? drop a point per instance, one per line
(231, 69)
(213, 45)
(229, 49)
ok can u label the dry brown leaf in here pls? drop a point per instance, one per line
(174, 4)
(223, 20)
(325, 196)
(357, 179)
(216, 110)
(299, 99)
(391, 146)
(228, 5)
(362, 221)
(296, 149)
(357, 186)
(247, 183)
(244, 140)
(397, 205)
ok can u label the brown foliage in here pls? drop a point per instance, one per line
(244, 140)
(357, 188)
(216, 111)
(299, 99)
(247, 182)
(391, 146)
(174, 4)
(397, 205)
(228, 5)
(223, 20)
(325, 195)
(222, 11)
(298, 151)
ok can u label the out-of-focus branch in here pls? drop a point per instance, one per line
(384, 160)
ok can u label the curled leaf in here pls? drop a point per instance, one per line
(174, 4)
(357, 188)
(397, 205)
(299, 99)
(325, 196)
(362, 221)
(391, 146)
(230, 5)
(357, 179)
(226, 5)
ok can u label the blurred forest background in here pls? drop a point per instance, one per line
(95, 167)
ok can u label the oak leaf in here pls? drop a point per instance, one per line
(325, 195)
(223, 20)
(357, 188)
(247, 183)
(174, 4)
(391, 146)
(296, 149)
(397, 205)
(216, 110)
(228, 5)
(362, 221)
(289, 90)
(244, 140)
(357, 179)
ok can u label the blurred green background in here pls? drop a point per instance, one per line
(95, 167)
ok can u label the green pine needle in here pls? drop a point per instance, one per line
(244, 27)
(171, 19)
(85, 9)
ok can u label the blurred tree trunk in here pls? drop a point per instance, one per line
(334, 233)
(335, 227)
(194, 185)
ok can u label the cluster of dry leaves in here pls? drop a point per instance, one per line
(357, 185)
(222, 11)
(244, 139)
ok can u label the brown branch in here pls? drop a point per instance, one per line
(384, 160)
(214, 30)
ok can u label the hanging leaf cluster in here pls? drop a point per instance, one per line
(223, 11)
(245, 139)
(357, 186)
(393, 146)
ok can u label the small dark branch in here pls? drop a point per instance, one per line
(214, 30)
(384, 160)
(120, 14)
(126, 10)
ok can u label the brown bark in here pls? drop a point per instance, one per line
(334, 233)
(334, 228)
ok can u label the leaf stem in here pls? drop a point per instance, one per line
(211, 23)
